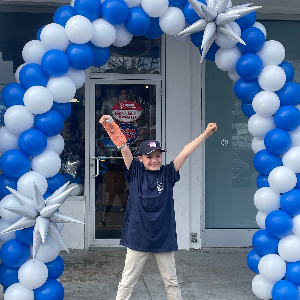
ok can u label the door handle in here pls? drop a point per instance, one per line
(97, 167)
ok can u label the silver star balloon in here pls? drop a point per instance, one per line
(216, 17)
(42, 214)
(71, 167)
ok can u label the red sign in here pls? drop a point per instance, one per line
(126, 111)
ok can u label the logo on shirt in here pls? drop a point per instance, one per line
(160, 187)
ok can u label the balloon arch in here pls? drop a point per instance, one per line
(39, 102)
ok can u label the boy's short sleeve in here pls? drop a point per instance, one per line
(132, 171)
(171, 173)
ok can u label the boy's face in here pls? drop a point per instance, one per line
(151, 161)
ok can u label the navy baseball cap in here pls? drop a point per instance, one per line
(149, 146)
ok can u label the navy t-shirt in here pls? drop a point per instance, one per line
(149, 223)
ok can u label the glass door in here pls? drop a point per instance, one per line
(136, 107)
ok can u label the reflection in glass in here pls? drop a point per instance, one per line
(133, 108)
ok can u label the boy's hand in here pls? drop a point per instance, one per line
(103, 119)
(211, 128)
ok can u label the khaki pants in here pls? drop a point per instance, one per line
(134, 264)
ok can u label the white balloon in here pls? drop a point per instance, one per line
(172, 21)
(18, 72)
(25, 183)
(77, 190)
(8, 140)
(272, 267)
(47, 163)
(62, 88)
(226, 59)
(266, 103)
(55, 143)
(18, 118)
(272, 78)
(234, 76)
(33, 274)
(155, 8)
(259, 126)
(289, 248)
(79, 29)
(6, 236)
(224, 41)
(48, 251)
(261, 27)
(33, 52)
(282, 179)
(262, 288)
(295, 135)
(258, 144)
(272, 53)
(53, 36)
(38, 99)
(266, 200)
(291, 159)
(261, 219)
(131, 3)
(18, 291)
(296, 226)
(104, 33)
(123, 36)
(8, 216)
(77, 76)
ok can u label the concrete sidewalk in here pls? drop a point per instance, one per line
(207, 274)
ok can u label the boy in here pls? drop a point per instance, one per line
(149, 224)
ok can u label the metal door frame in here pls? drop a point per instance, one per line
(90, 163)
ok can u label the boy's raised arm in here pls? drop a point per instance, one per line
(127, 156)
(192, 146)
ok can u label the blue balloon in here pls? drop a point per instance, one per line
(31, 75)
(293, 272)
(254, 39)
(14, 163)
(25, 236)
(285, 290)
(50, 290)
(264, 162)
(115, 11)
(246, 90)
(253, 260)
(264, 243)
(12, 94)
(247, 109)
(55, 63)
(249, 66)
(14, 254)
(63, 14)
(32, 142)
(55, 183)
(290, 202)
(154, 31)
(247, 20)
(189, 12)
(8, 276)
(101, 55)
(50, 123)
(279, 223)
(289, 94)
(211, 53)
(90, 9)
(197, 38)
(138, 22)
(262, 181)
(55, 268)
(81, 56)
(278, 141)
(287, 118)
(298, 182)
(7, 181)
(64, 109)
(38, 35)
(46, 195)
(77, 179)
(68, 177)
(288, 69)
(177, 3)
